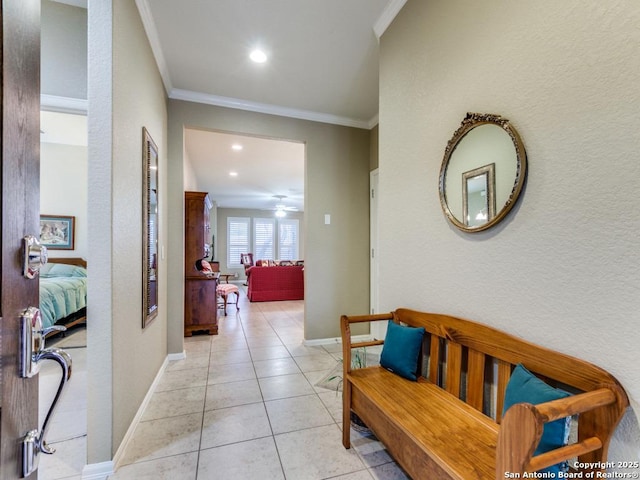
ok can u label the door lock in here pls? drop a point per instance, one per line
(32, 352)
(35, 256)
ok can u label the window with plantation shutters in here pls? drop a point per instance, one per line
(263, 238)
(287, 239)
(237, 240)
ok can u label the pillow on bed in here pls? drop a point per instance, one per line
(62, 270)
(401, 349)
(524, 386)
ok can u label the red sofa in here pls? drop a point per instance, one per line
(268, 284)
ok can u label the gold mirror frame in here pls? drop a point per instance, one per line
(149, 228)
(494, 175)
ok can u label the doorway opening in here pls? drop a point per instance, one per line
(257, 187)
(63, 194)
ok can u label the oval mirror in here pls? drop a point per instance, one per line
(482, 173)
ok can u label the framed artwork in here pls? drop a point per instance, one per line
(478, 195)
(57, 232)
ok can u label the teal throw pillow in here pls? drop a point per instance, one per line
(525, 387)
(401, 349)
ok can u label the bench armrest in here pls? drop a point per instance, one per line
(345, 330)
(522, 427)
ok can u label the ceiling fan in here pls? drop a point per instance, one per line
(281, 208)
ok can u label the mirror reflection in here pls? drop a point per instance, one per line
(482, 173)
(150, 229)
(478, 195)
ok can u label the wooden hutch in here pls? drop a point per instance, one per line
(200, 309)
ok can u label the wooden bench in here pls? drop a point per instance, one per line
(449, 423)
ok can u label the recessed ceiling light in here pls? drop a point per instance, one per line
(258, 56)
(233, 174)
(237, 147)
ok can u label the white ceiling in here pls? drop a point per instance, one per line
(264, 167)
(323, 54)
(322, 66)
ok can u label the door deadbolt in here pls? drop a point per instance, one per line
(35, 256)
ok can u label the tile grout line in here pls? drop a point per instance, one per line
(264, 403)
(204, 409)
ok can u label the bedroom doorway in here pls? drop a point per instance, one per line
(63, 194)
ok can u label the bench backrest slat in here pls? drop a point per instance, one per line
(475, 379)
(434, 359)
(454, 367)
(504, 374)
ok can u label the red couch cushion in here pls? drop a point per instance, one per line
(267, 284)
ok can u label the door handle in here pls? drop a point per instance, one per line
(64, 360)
(32, 353)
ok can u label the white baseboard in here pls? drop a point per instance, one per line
(172, 357)
(134, 423)
(334, 340)
(98, 471)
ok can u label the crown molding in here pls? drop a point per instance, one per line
(239, 104)
(373, 121)
(53, 103)
(154, 40)
(389, 13)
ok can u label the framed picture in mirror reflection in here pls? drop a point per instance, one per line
(478, 195)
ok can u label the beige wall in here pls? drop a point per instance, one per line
(121, 102)
(562, 270)
(337, 169)
(139, 101)
(190, 177)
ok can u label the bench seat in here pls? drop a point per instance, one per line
(450, 423)
(447, 438)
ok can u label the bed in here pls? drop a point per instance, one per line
(63, 292)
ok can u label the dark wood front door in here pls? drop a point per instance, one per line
(20, 158)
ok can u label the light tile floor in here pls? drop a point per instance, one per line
(244, 405)
(68, 430)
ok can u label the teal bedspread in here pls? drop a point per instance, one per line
(63, 291)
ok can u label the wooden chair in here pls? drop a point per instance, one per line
(246, 259)
(222, 289)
